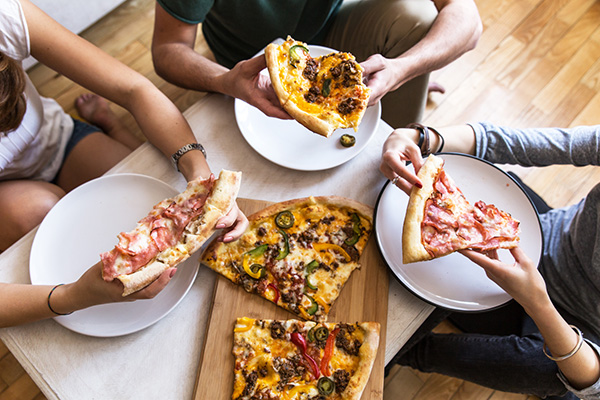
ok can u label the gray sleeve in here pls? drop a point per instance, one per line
(588, 393)
(538, 146)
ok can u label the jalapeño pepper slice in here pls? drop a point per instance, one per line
(309, 284)
(347, 140)
(321, 333)
(326, 386)
(326, 87)
(285, 219)
(297, 52)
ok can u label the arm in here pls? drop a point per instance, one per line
(525, 284)
(159, 119)
(176, 61)
(455, 31)
(21, 303)
(401, 147)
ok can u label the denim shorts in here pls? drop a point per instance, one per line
(80, 130)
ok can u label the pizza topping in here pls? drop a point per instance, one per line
(326, 386)
(347, 140)
(283, 252)
(345, 341)
(250, 383)
(347, 105)
(300, 342)
(297, 53)
(277, 330)
(341, 379)
(328, 353)
(311, 69)
(326, 87)
(312, 95)
(285, 219)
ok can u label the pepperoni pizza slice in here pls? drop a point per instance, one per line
(439, 219)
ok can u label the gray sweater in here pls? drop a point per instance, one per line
(570, 261)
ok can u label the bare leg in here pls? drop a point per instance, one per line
(91, 157)
(23, 206)
(96, 110)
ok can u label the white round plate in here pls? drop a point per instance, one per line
(453, 281)
(289, 144)
(84, 224)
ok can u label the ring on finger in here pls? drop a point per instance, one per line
(395, 180)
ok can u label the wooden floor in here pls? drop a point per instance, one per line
(537, 64)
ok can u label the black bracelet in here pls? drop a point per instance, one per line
(424, 142)
(48, 301)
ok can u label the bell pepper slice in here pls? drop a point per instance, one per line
(334, 247)
(356, 228)
(328, 353)
(255, 273)
(300, 342)
(311, 266)
(274, 288)
(243, 324)
(286, 246)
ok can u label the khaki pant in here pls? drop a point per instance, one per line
(389, 28)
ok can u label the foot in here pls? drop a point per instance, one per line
(95, 110)
(435, 87)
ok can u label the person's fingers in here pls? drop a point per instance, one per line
(155, 287)
(241, 224)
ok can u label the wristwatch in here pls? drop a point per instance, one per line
(184, 149)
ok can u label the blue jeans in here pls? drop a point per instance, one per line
(500, 349)
(81, 129)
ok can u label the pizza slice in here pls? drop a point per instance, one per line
(302, 359)
(439, 219)
(298, 253)
(173, 230)
(323, 93)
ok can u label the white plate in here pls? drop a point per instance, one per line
(291, 145)
(84, 224)
(453, 281)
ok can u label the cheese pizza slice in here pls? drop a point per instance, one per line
(439, 219)
(323, 93)
(173, 230)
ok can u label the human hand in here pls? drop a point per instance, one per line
(236, 221)
(244, 81)
(381, 75)
(90, 289)
(399, 148)
(521, 280)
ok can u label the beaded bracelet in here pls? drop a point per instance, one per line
(572, 352)
(48, 301)
(424, 142)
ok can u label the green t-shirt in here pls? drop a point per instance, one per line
(236, 30)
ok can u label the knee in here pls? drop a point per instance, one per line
(27, 215)
(409, 21)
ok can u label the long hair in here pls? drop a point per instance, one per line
(12, 96)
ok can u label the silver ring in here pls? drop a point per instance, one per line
(395, 180)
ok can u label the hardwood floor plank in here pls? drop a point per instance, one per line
(22, 389)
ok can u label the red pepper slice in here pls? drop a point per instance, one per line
(276, 299)
(300, 342)
(329, 345)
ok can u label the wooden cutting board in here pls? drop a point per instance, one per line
(363, 298)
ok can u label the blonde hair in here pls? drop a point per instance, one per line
(12, 96)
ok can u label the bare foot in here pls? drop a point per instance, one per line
(95, 110)
(435, 87)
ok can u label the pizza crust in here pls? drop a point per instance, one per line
(218, 204)
(367, 355)
(273, 65)
(412, 244)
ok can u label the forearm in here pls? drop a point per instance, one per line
(166, 128)
(21, 303)
(181, 65)
(455, 31)
(583, 368)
